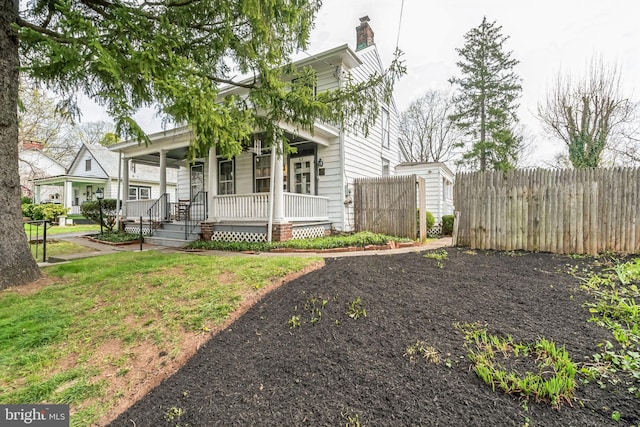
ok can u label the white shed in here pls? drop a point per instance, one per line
(439, 186)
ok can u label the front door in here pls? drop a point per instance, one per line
(303, 175)
(197, 182)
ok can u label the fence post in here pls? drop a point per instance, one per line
(44, 242)
(141, 232)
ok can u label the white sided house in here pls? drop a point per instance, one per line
(438, 186)
(33, 164)
(234, 199)
(94, 167)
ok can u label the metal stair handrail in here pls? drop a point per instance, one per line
(158, 212)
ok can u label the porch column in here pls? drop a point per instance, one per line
(68, 194)
(36, 195)
(125, 184)
(163, 172)
(212, 182)
(278, 182)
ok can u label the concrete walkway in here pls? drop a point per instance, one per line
(105, 249)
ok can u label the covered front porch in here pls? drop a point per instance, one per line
(253, 197)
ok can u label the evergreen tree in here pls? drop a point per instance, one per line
(485, 102)
(176, 55)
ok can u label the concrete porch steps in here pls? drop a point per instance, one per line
(172, 235)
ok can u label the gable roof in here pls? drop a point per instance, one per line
(105, 159)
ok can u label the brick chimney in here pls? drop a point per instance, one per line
(364, 34)
(32, 145)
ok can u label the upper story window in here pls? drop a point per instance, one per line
(225, 177)
(87, 165)
(385, 127)
(385, 167)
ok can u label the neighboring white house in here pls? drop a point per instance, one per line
(313, 187)
(33, 163)
(438, 186)
(95, 166)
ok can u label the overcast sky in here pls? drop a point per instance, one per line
(546, 36)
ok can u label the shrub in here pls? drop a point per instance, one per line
(47, 212)
(27, 210)
(91, 210)
(447, 224)
(430, 220)
(25, 200)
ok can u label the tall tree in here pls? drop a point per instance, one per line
(426, 132)
(485, 102)
(590, 115)
(176, 55)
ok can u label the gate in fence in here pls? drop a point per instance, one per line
(389, 205)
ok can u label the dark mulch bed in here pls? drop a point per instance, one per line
(261, 372)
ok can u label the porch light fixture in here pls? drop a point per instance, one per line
(320, 163)
(100, 196)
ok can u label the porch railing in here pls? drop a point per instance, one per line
(255, 207)
(158, 212)
(197, 211)
(304, 207)
(138, 208)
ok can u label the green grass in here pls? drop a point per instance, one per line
(53, 341)
(56, 229)
(57, 247)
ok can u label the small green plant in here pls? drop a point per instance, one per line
(420, 349)
(355, 309)
(438, 255)
(615, 416)
(553, 382)
(173, 413)
(294, 322)
(352, 420)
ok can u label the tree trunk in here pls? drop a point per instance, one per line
(17, 266)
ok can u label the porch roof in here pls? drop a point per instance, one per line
(175, 143)
(61, 179)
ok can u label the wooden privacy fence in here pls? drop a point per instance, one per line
(584, 211)
(388, 205)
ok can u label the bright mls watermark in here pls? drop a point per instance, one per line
(34, 415)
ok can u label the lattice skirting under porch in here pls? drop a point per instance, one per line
(434, 231)
(307, 232)
(238, 236)
(135, 229)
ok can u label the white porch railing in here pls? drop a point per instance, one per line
(138, 208)
(303, 207)
(74, 210)
(255, 207)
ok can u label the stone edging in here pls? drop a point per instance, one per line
(130, 242)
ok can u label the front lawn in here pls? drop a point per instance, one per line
(53, 230)
(56, 248)
(94, 330)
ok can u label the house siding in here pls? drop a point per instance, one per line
(437, 202)
(364, 155)
(78, 167)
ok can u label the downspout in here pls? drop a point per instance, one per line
(343, 181)
(118, 203)
(272, 187)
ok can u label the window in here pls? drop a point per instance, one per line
(137, 192)
(89, 192)
(385, 167)
(87, 165)
(263, 173)
(225, 177)
(385, 128)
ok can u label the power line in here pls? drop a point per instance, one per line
(399, 25)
